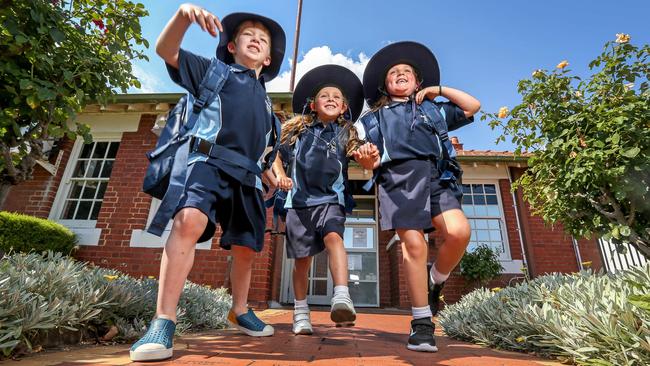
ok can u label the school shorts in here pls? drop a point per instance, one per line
(238, 208)
(306, 228)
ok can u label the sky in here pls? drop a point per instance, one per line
(483, 47)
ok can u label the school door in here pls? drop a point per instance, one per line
(360, 241)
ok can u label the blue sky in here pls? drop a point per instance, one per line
(483, 47)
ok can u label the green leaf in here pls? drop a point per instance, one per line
(32, 102)
(632, 152)
(640, 301)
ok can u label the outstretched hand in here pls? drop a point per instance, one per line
(206, 20)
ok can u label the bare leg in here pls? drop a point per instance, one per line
(414, 251)
(455, 230)
(300, 273)
(240, 277)
(338, 258)
(178, 258)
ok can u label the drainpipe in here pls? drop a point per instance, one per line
(521, 237)
(576, 249)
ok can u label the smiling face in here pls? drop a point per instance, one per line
(252, 45)
(329, 104)
(401, 81)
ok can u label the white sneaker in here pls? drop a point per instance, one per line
(302, 322)
(342, 312)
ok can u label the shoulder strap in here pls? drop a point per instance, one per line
(211, 84)
(436, 115)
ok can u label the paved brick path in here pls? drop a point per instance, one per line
(377, 339)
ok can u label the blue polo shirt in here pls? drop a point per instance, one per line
(407, 134)
(246, 114)
(320, 169)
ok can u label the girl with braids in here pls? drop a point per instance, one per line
(317, 145)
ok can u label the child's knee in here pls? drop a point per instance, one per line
(242, 253)
(190, 222)
(459, 233)
(415, 249)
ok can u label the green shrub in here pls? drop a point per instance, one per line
(582, 318)
(480, 265)
(51, 296)
(24, 233)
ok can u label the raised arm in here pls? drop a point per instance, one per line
(464, 101)
(169, 41)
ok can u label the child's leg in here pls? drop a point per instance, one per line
(240, 277)
(338, 258)
(414, 251)
(178, 258)
(455, 230)
(342, 312)
(300, 274)
(301, 318)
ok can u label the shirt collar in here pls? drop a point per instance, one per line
(237, 68)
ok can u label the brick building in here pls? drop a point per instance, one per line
(95, 190)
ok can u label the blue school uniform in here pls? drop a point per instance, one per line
(316, 202)
(410, 191)
(226, 192)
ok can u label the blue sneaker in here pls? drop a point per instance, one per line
(157, 343)
(250, 324)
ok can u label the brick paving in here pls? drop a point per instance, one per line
(377, 339)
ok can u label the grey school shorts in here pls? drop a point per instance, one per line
(306, 228)
(411, 194)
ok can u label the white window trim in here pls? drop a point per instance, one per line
(505, 258)
(86, 230)
(143, 239)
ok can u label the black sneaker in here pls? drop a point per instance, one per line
(434, 292)
(421, 338)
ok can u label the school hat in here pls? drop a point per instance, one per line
(329, 75)
(407, 52)
(278, 41)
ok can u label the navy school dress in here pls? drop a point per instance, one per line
(316, 203)
(410, 191)
(226, 193)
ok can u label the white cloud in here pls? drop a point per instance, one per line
(149, 83)
(315, 57)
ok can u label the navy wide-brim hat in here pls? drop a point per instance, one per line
(329, 75)
(278, 41)
(412, 53)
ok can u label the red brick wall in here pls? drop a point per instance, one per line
(35, 197)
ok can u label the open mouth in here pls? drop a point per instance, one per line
(253, 47)
(401, 81)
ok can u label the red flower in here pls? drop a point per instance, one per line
(99, 23)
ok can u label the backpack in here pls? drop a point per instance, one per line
(448, 167)
(167, 170)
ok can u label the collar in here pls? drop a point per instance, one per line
(238, 69)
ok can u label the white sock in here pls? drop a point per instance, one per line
(341, 290)
(437, 277)
(423, 312)
(300, 304)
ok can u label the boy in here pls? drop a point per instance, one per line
(219, 187)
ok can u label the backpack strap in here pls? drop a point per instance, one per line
(209, 88)
(370, 122)
(448, 168)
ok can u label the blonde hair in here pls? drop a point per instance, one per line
(296, 126)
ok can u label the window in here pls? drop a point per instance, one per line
(89, 180)
(481, 204)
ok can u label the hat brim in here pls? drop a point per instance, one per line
(329, 75)
(407, 52)
(278, 41)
